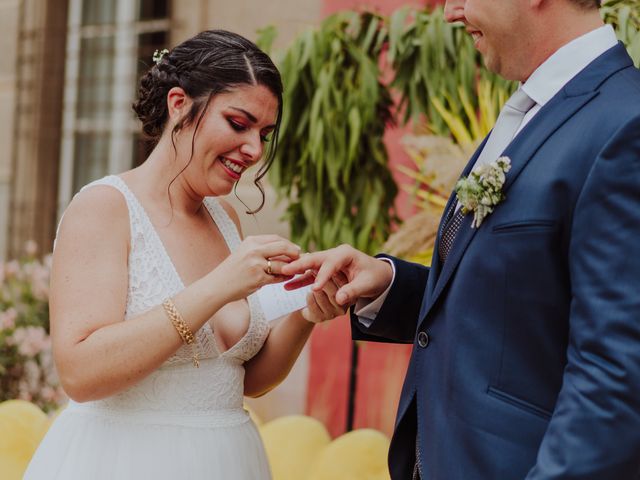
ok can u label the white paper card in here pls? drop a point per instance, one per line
(277, 302)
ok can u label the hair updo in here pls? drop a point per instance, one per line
(212, 62)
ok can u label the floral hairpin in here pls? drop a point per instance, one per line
(158, 55)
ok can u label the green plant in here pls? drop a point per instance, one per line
(624, 15)
(436, 61)
(332, 162)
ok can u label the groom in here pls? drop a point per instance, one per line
(526, 329)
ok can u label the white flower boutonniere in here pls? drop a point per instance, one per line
(481, 191)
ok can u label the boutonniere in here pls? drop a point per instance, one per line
(481, 191)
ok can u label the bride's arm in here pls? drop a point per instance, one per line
(275, 359)
(97, 353)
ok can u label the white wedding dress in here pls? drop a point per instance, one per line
(180, 422)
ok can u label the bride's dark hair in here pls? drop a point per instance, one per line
(212, 62)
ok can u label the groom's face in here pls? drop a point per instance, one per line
(499, 29)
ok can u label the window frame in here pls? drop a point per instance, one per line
(120, 123)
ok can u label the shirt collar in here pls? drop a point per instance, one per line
(549, 78)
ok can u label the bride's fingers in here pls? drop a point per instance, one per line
(279, 248)
(300, 281)
(340, 279)
(312, 312)
(327, 303)
(273, 270)
(332, 286)
(283, 258)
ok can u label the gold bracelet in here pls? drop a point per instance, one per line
(181, 327)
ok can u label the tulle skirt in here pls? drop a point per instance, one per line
(89, 444)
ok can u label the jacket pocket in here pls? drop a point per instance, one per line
(519, 403)
(525, 226)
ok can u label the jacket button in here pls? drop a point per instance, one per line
(423, 339)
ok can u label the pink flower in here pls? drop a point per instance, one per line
(8, 319)
(38, 276)
(24, 288)
(11, 269)
(30, 340)
(32, 376)
(31, 248)
(48, 394)
(23, 391)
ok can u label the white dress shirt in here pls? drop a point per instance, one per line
(543, 84)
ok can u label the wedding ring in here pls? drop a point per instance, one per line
(269, 271)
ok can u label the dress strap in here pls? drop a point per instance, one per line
(136, 213)
(222, 219)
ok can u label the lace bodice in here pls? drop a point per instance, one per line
(178, 386)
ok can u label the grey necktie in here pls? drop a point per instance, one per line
(505, 129)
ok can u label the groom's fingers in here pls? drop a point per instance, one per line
(338, 280)
(329, 269)
(326, 264)
(308, 261)
(349, 293)
(337, 261)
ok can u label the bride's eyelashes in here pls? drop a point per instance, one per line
(240, 127)
(237, 126)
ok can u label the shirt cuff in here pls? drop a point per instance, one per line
(366, 309)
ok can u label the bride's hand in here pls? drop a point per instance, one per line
(256, 262)
(322, 305)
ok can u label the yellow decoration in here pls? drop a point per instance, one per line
(357, 455)
(22, 426)
(12, 468)
(292, 444)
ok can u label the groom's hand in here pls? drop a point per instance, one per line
(367, 277)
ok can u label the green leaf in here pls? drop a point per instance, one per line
(266, 37)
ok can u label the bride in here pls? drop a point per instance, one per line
(156, 328)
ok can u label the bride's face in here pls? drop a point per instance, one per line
(230, 138)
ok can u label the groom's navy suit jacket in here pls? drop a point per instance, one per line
(532, 366)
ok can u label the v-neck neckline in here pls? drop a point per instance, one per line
(182, 284)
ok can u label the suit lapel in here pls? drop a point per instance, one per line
(549, 119)
(436, 264)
